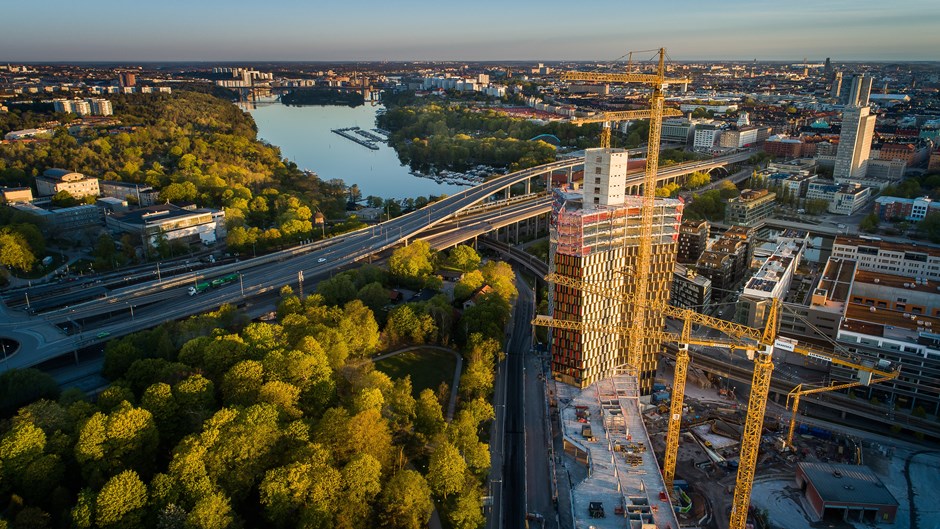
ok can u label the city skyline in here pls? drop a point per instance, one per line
(419, 30)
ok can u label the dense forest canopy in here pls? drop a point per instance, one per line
(217, 422)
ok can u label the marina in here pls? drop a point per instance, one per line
(369, 141)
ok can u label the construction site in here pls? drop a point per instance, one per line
(637, 452)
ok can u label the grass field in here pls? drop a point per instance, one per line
(427, 367)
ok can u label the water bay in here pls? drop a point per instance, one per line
(303, 133)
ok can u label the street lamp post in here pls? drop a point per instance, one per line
(241, 283)
(132, 311)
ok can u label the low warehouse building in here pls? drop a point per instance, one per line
(845, 492)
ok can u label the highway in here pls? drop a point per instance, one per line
(150, 303)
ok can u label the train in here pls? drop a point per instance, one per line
(202, 286)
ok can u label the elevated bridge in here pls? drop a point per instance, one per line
(474, 211)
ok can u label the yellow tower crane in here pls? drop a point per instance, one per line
(758, 342)
(798, 391)
(658, 82)
(623, 115)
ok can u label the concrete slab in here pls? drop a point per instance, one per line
(627, 478)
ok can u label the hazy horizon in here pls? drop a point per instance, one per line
(110, 31)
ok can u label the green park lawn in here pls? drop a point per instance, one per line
(427, 368)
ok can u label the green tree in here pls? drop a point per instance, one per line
(405, 503)
(337, 290)
(698, 179)
(19, 387)
(405, 325)
(242, 383)
(362, 482)
(15, 251)
(446, 469)
(64, 199)
(374, 296)
(501, 278)
(212, 511)
(108, 444)
(307, 488)
(869, 223)
(429, 417)
(121, 501)
(464, 258)
(468, 284)
(412, 264)
(466, 511)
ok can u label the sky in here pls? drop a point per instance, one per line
(480, 30)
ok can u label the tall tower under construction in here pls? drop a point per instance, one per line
(594, 239)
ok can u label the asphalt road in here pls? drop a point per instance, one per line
(537, 438)
(515, 497)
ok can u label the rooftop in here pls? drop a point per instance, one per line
(628, 478)
(63, 175)
(836, 280)
(887, 323)
(893, 281)
(156, 214)
(775, 268)
(844, 483)
(887, 246)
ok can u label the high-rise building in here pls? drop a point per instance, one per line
(126, 79)
(836, 86)
(859, 92)
(858, 129)
(827, 69)
(596, 242)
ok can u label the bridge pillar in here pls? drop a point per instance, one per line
(570, 175)
(528, 186)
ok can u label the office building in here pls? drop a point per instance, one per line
(909, 209)
(140, 194)
(816, 317)
(595, 242)
(860, 92)
(705, 138)
(772, 281)
(876, 255)
(690, 290)
(750, 207)
(677, 130)
(11, 195)
(891, 320)
(57, 221)
(78, 185)
(858, 128)
(849, 199)
(738, 137)
(169, 221)
(693, 237)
